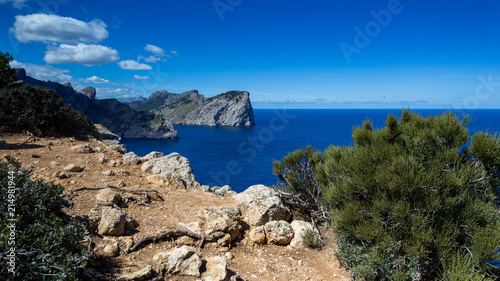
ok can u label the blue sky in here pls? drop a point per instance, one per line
(303, 54)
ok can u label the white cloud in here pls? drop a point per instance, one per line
(81, 54)
(53, 28)
(175, 53)
(133, 65)
(97, 80)
(151, 59)
(107, 92)
(141, 77)
(16, 3)
(44, 72)
(155, 50)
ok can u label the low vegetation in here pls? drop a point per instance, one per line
(47, 244)
(409, 201)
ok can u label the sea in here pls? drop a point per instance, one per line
(241, 157)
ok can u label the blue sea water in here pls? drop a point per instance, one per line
(241, 157)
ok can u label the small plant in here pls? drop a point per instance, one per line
(311, 239)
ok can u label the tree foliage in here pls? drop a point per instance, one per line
(42, 112)
(7, 74)
(409, 202)
(47, 244)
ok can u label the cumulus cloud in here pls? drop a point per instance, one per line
(43, 72)
(141, 77)
(155, 50)
(81, 54)
(134, 65)
(16, 3)
(118, 93)
(150, 59)
(97, 80)
(53, 28)
(175, 53)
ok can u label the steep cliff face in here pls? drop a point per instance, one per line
(117, 117)
(191, 108)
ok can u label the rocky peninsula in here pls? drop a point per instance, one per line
(232, 108)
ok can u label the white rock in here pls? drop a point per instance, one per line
(74, 168)
(278, 232)
(140, 275)
(173, 169)
(130, 158)
(112, 222)
(108, 195)
(178, 261)
(260, 204)
(216, 269)
(300, 228)
(84, 148)
(225, 219)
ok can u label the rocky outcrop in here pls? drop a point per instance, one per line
(117, 117)
(260, 204)
(191, 108)
(172, 170)
(178, 261)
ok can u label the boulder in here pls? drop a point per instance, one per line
(130, 158)
(216, 269)
(144, 274)
(112, 249)
(173, 169)
(108, 173)
(112, 222)
(83, 148)
(278, 232)
(151, 155)
(74, 168)
(178, 261)
(300, 228)
(108, 195)
(225, 219)
(257, 235)
(260, 204)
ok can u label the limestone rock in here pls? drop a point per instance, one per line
(190, 108)
(173, 169)
(74, 168)
(141, 275)
(123, 172)
(108, 173)
(216, 269)
(128, 243)
(257, 235)
(102, 158)
(213, 219)
(260, 204)
(112, 249)
(130, 158)
(112, 222)
(108, 195)
(278, 232)
(300, 228)
(178, 261)
(83, 148)
(93, 220)
(185, 240)
(151, 155)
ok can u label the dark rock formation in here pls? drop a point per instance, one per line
(191, 108)
(117, 117)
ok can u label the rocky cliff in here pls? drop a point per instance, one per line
(191, 108)
(117, 117)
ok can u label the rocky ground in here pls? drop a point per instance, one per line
(238, 255)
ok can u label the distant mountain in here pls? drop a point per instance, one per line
(117, 117)
(129, 100)
(191, 108)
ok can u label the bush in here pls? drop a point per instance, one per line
(409, 202)
(47, 244)
(311, 239)
(42, 112)
(7, 74)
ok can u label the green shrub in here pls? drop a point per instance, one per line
(42, 112)
(311, 239)
(47, 244)
(409, 202)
